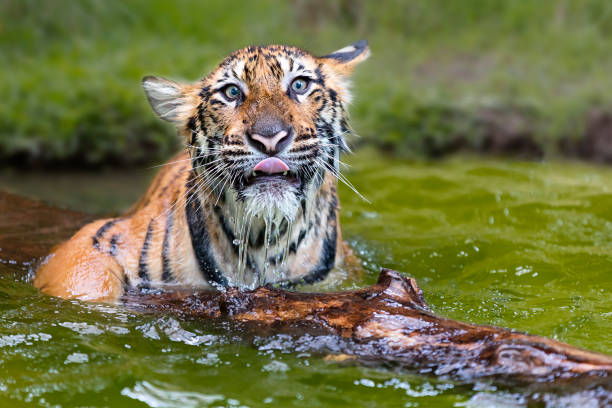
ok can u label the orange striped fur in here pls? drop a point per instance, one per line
(253, 198)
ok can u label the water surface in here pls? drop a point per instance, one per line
(521, 245)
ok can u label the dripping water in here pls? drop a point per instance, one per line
(266, 264)
(273, 245)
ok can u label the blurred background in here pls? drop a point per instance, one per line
(522, 78)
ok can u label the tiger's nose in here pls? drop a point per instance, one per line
(270, 135)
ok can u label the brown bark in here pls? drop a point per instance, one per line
(390, 323)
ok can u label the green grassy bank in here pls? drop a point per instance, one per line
(443, 75)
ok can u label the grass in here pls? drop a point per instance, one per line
(71, 70)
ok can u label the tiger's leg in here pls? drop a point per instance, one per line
(82, 269)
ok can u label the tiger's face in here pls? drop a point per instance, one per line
(266, 125)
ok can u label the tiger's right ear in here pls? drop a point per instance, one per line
(167, 98)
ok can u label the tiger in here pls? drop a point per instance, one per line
(253, 198)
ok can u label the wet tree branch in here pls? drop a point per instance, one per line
(391, 323)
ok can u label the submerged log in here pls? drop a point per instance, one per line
(30, 228)
(391, 323)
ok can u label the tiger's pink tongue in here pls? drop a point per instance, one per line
(271, 165)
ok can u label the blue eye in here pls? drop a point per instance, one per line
(232, 92)
(300, 85)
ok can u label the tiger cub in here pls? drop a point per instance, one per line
(252, 200)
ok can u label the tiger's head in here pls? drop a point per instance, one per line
(266, 125)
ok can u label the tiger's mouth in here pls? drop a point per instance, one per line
(271, 189)
(274, 172)
(290, 178)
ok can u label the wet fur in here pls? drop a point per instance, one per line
(185, 228)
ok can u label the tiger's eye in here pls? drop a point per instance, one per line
(299, 85)
(232, 92)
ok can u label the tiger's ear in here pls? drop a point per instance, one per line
(167, 98)
(346, 59)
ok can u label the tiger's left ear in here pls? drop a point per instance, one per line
(346, 59)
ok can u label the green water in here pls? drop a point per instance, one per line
(522, 245)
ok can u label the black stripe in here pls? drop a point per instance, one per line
(200, 239)
(191, 124)
(201, 122)
(227, 229)
(234, 143)
(320, 77)
(303, 148)
(126, 281)
(317, 92)
(333, 95)
(114, 250)
(304, 136)
(247, 73)
(233, 153)
(295, 245)
(96, 238)
(325, 129)
(143, 268)
(167, 275)
(204, 91)
(328, 253)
